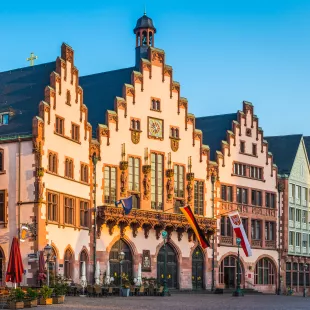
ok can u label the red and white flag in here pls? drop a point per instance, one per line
(237, 225)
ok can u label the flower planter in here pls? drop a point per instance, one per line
(59, 299)
(31, 303)
(45, 301)
(125, 292)
(16, 305)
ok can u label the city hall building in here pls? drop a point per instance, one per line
(71, 146)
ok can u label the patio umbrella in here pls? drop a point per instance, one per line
(41, 275)
(139, 278)
(107, 276)
(15, 269)
(83, 279)
(97, 273)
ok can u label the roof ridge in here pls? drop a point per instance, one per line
(29, 67)
(202, 117)
(106, 72)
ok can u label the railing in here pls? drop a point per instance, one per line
(13, 136)
(247, 209)
(271, 244)
(257, 243)
(228, 240)
(297, 224)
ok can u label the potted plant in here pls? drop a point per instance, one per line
(59, 292)
(31, 298)
(46, 294)
(16, 300)
(125, 286)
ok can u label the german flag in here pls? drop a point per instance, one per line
(198, 232)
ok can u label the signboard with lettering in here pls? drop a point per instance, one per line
(33, 257)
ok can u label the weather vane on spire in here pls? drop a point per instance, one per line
(32, 58)
(145, 9)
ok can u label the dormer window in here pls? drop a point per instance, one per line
(4, 118)
(155, 105)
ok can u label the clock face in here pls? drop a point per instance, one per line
(155, 128)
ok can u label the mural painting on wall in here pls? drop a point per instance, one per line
(146, 260)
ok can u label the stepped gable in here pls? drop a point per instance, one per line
(214, 129)
(100, 91)
(21, 91)
(284, 150)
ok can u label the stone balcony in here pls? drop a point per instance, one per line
(270, 244)
(244, 209)
(148, 219)
(256, 243)
(226, 240)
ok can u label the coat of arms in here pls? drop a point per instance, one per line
(236, 219)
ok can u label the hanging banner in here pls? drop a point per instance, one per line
(237, 225)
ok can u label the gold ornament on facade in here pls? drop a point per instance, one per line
(135, 136)
(174, 143)
(146, 181)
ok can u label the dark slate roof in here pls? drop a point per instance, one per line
(100, 91)
(214, 129)
(144, 22)
(284, 150)
(21, 91)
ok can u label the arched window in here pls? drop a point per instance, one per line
(139, 39)
(151, 38)
(68, 262)
(53, 263)
(2, 268)
(120, 246)
(228, 272)
(83, 258)
(264, 272)
(69, 168)
(144, 38)
(55, 163)
(157, 105)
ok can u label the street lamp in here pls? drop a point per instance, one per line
(48, 251)
(280, 190)
(305, 269)
(213, 237)
(121, 256)
(164, 234)
(94, 160)
(238, 292)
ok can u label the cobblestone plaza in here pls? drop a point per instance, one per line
(187, 301)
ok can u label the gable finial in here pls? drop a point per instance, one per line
(144, 9)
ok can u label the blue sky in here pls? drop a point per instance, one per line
(222, 52)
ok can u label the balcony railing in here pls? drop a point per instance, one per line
(256, 243)
(227, 240)
(271, 244)
(147, 219)
(247, 209)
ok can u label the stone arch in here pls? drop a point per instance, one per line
(68, 262)
(204, 261)
(174, 246)
(243, 266)
(127, 266)
(178, 253)
(269, 257)
(55, 249)
(274, 265)
(131, 245)
(86, 259)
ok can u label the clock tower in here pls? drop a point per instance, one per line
(144, 32)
